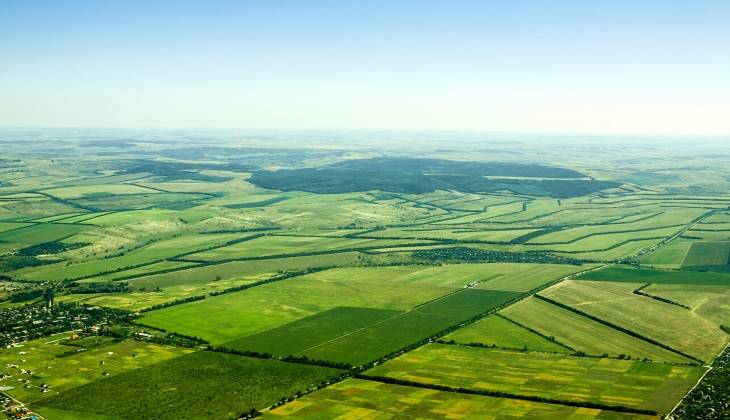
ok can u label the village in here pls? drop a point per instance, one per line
(23, 323)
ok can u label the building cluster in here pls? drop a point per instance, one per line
(28, 322)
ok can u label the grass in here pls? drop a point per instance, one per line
(634, 275)
(497, 331)
(199, 385)
(358, 398)
(652, 386)
(579, 332)
(670, 325)
(61, 373)
(707, 254)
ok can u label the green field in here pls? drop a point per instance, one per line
(709, 302)
(291, 245)
(462, 233)
(4, 227)
(399, 331)
(241, 270)
(633, 275)
(670, 256)
(500, 332)
(39, 233)
(275, 304)
(357, 398)
(301, 335)
(149, 254)
(526, 277)
(81, 191)
(412, 255)
(702, 254)
(667, 324)
(47, 360)
(579, 332)
(201, 384)
(652, 386)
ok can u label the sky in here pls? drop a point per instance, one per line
(615, 66)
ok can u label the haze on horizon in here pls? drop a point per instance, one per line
(527, 66)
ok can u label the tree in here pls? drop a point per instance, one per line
(48, 296)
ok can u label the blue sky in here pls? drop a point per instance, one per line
(555, 66)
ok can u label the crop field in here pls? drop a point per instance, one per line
(357, 398)
(708, 235)
(304, 334)
(500, 332)
(652, 386)
(671, 325)
(10, 226)
(463, 233)
(200, 384)
(275, 304)
(670, 257)
(291, 245)
(579, 332)
(709, 302)
(633, 275)
(225, 278)
(397, 332)
(39, 233)
(702, 254)
(154, 252)
(525, 277)
(243, 270)
(105, 190)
